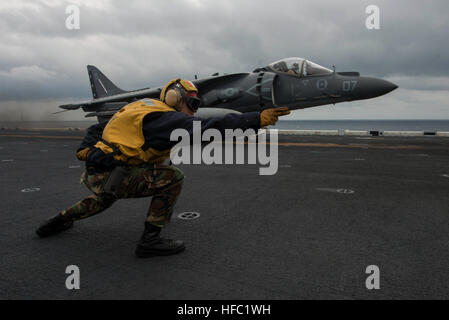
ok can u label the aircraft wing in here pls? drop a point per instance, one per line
(128, 96)
(203, 84)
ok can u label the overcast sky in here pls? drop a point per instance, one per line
(142, 43)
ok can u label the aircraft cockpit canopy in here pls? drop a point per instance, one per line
(299, 67)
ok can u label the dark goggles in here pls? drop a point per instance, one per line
(192, 100)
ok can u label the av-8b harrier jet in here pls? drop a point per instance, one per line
(293, 82)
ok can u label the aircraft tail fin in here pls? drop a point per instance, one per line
(101, 86)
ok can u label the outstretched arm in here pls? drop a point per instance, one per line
(159, 126)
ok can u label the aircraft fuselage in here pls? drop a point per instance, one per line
(305, 86)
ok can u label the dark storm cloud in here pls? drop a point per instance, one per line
(145, 43)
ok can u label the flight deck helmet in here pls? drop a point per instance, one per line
(177, 90)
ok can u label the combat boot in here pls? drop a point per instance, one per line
(151, 244)
(54, 226)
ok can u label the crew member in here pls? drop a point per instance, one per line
(125, 159)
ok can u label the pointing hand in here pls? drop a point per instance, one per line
(269, 117)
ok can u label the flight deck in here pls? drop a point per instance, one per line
(337, 205)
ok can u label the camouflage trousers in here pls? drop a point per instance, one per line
(163, 183)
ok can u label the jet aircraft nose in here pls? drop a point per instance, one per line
(372, 87)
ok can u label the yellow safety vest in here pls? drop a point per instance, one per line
(124, 131)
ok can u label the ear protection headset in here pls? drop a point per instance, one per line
(173, 96)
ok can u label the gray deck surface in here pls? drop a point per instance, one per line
(287, 236)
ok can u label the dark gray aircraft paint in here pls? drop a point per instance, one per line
(293, 82)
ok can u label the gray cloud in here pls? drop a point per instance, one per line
(141, 43)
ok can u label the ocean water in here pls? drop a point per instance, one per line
(375, 125)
